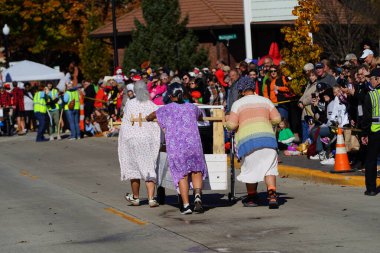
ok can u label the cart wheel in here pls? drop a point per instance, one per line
(229, 197)
(161, 195)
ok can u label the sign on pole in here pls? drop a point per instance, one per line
(227, 37)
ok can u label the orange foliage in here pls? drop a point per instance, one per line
(300, 48)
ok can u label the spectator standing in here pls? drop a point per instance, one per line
(305, 103)
(30, 123)
(217, 91)
(18, 104)
(371, 132)
(233, 92)
(53, 108)
(89, 99)
(157, 89)
(369, 58)
(72, 97)
(220, 74)
(101, 97)
(5, 105)
(323, 76)
(275, 89)
(40, 109)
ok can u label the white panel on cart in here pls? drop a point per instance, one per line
(217, 170)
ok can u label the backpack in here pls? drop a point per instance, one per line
(72, 104)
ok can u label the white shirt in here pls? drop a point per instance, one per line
(28, 102)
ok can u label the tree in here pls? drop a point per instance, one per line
(299, 48)
(346, 24)
(51, 31)
(44, 26)
(164, 39)
(95, 55)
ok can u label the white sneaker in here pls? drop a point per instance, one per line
(153, 203)
(320, 156)
(330, 161)
(59, 137)
(134, 202)
(314, 157)
(51, 138)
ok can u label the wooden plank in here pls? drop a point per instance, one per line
(218, 132)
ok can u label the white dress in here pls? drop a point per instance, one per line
(138, 146)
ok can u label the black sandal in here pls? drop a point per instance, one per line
(273, 199)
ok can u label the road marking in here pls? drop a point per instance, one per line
(125, 216)
(25, 173)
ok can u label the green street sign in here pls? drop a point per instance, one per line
(227, 37)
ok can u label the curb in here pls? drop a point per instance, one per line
(316, 176)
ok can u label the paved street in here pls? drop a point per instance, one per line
(66, 196)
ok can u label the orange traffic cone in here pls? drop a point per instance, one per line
(342, 164)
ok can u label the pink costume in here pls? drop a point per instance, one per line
(157, 92)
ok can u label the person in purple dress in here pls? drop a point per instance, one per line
(183, 144)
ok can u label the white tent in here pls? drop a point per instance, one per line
(31, 71)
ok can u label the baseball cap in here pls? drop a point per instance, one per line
(350, 57)
(319, 65)
(366, 52)
(308, 66)
(321, 87)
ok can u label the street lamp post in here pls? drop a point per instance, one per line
(6, 31)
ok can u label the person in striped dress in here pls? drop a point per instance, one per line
(253, 117)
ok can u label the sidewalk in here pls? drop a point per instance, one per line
(300, 167)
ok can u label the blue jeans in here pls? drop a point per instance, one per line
(73, 118)
(41, 117)
(324, 132)
(284, 112)
(305, 131)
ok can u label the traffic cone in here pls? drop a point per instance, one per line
(342, 163)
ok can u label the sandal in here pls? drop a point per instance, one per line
(273, 199)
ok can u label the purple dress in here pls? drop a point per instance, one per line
(183, 142)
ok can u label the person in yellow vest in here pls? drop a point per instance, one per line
(72, 114)
(40, 109)
(53, 108)
(371, 132)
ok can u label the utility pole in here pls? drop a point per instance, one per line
(114, 32)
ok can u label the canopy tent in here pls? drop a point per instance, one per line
(30, 71)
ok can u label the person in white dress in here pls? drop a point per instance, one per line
(139, 146)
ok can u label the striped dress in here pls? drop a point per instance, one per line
(253, 116)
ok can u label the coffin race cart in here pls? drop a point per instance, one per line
(216, 161)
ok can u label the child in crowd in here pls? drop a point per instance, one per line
(286, 138)
(89, 128)
(100, 122)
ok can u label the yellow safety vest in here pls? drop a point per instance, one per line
(73, 95)
(54, 95)
(375, 99)
(39, 103)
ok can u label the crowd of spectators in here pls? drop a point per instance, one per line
(333, 97)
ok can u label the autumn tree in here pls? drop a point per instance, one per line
(95, 55)
(43, 27)
(299, 48)
(164, 38)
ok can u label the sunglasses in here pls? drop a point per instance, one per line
(273, 71)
